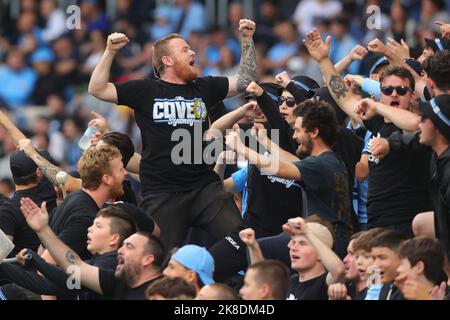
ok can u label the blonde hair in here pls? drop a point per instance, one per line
(94, 164)
(161, 49)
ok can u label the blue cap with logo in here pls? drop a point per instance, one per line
(197, 259)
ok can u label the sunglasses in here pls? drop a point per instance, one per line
(401, 90)
(290, 102)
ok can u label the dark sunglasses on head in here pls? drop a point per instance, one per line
(401, 90)
(290, 102)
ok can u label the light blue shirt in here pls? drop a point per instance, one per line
(371, 87)
(240, 181)
(16, 86)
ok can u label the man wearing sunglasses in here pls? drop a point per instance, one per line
(435, 133)
(397, 183)
(270, 200)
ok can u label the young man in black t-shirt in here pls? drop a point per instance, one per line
(139, 259)
(178, 192)
(30, 182)
(106, 234)
(397, 185)
(321, 173)
(102, 174)
(420, 269)
(311, 256)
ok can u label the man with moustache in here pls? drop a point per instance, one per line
(321, 173)
(102, 173)
(139, 259)
(173, 180)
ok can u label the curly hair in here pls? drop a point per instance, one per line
(320, 115)
(94, 164)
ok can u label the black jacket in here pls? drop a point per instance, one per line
(440, 191)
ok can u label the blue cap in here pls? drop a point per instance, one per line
(42, 55)
(197, 259)
(381, 61)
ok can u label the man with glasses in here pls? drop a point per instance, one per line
(270, 200)
(397, 183)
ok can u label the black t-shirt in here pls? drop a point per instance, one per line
(398, 183)
(71, 220)
(326, 185)
(354, 294)
(116, 289)
(12, 221)
(271, 200)
(313, 289)
(160, 109)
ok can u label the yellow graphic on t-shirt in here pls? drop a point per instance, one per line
(200, 110)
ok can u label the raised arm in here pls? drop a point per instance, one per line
(66, 258)
(254, 251)
(357, 53)
(268, 165)
(227, 121)
(338, 88)
(331, 262)
(99, 85)
(24, 144)
(48, 168)
(403, 119)
(260, 133)
(247, 66)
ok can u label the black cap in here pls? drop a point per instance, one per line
(304, 88)
(438, 44)
(415, 65)
(438, 111)
(274, 90)
(21, 166)
(323, 94)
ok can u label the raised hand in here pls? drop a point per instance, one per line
(401, 51)
(227, 157)
(37, 218)
(438, 292)
(259, 132)
(377, 46)
(247, 28)
(283, 79)
(254, 88)
(445, 28)
(338, 291)
(317, 49)
(26, 146)
(366, 108)
(248, 237)
(233, 141)
(295, 226)
(358, 52)
(116, 41)
(379, 147)
(100, 122)
(351, 79)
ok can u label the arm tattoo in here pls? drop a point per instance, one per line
(49, 170)
(71, 257)
(247, 66)
(338, 86)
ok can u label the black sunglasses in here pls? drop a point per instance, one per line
(401, 90)
(290, 102)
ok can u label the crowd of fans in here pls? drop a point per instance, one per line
(340, 204)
